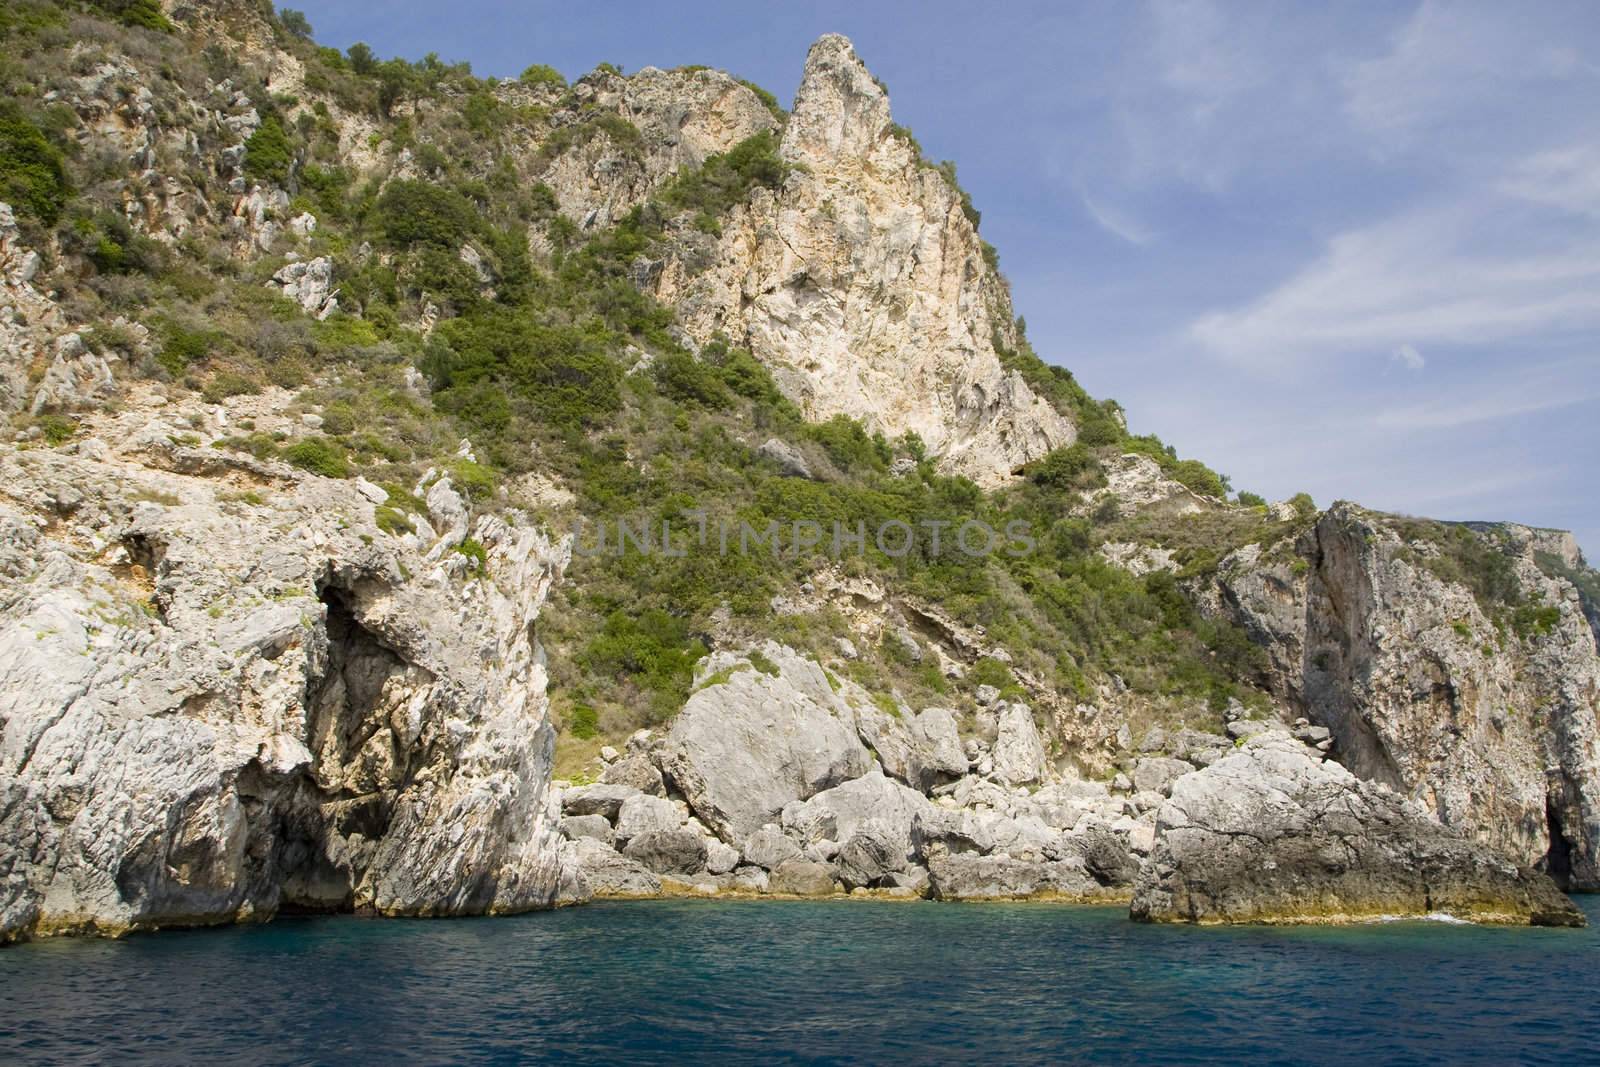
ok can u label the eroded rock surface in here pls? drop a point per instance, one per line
(216, 703)
(1273, 833)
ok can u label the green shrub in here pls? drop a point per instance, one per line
(183, 346)
(761, 662)
(850, 446)
(1303, 505)
(473, 479)
(57, 429)
(766, 98)
(689, 381)
(1535, 619)
(413, 212)
(319, 455)
(725, 180)
(295, 22)
(653, 650)
(1072, 469)
(583, 722)
(362, 59)
(392, 521)
(33, 176)
(143, 13)
(268, 154)
(1252, 500)
(1200, 478)
(542, 74)
(225, 384)
(475, 552)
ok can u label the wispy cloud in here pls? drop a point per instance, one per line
(1116, 222)
(1408, 357)
(1456, 274)
(1484, 405)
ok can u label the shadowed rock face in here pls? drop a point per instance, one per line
(1273, 834)
(1492, 731)
(213, 708)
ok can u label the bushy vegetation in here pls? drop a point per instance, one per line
(559, 362)
(33, 177)
(268, 154)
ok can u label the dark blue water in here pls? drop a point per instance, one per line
(806, 982)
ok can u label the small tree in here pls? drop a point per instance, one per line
(362, 59)
(542, 74)
(295, 22)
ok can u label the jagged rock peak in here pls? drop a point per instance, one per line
(840, 111)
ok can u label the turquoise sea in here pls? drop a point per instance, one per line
(791, 982)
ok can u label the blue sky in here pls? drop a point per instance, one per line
(1351, 249)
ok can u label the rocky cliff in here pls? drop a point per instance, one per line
(864, 285)
(1483, 710)
(308, 357)
(225, 691)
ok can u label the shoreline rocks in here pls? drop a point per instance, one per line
(1274, 834)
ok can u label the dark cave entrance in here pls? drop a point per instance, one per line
(334, 813)
(1558, 860)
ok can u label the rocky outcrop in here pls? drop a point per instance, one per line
(864, 286)
(1490, 726)
(960, 876)
(309, 283)
(681, 117)
(1018, 750)
(1275, 834)
(215, 703)
(749, 742)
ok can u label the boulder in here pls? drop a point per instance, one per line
(788, 458)
(636, 772)
(602, 872)
(958, 876)
(748, 880)
(767, 848)
(1018, 751)
(603, 800)
(871, 854)
(1108, 856)
(923, 750)
(1273, 833)
(720, 858)
(574, 827)
(642, 813)
(891, 807)
(747, 742)
(1155, 774)
(803, 878)
(676, 852)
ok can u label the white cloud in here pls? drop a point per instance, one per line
(1564, 178)
(1408, 357)
(1487, 405)
(1461, 274)
(1455, 59)
(1115, 222)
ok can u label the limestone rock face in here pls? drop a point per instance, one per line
(1492, 730)
(1273, 833)
(682, 117)
(1018, 751)
(309, 283)
(747, 743)
(864, 287)
(962, 876)
(214, 704)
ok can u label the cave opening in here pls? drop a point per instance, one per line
(334, 814)
(1558, 859)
